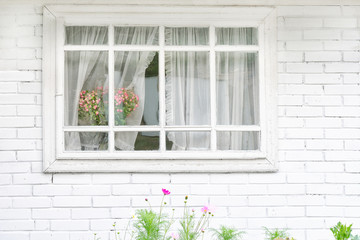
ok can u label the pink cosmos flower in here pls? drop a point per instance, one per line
(175, 236)
(205, 209)
(166, 192)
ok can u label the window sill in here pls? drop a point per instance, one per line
(163, 166)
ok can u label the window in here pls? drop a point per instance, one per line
(142, 90)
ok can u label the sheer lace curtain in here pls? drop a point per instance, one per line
(187, 88)
(87, 70)
(82, 69)
(237, 99)
(237, 89)
(130, 70)
(188, 94)
(187, 83)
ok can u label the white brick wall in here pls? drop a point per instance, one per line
(319, 140)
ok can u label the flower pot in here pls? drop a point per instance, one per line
(91, 141)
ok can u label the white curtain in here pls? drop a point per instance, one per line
(187, 89)
(237, 98)
(236, 36)
(187, 83)
(84, 70)
(188, 94)
(186, 36)
(130, 70)
(237, 89)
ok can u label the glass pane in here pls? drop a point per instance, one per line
(187, 88)
(237, 87)
(136, 35)
(86, 88)
(138, 141)
(86, 141)
(238, 140)
(186, 36)
(86, 35)
(192, 141)
(136, 88)
(236, 36)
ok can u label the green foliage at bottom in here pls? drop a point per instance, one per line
(227, 233)
(275, 233)
(149, 225)
(341, 231)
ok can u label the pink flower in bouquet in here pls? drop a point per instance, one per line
(166, 192)
(126, 101)
(91, 109)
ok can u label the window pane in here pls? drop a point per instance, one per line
(186, 36)
(138, 141)
(86, 83)
(187, 88)
(238, 140)
(237, 89)
(86, 141)
(236, 36)
(136, 100)
(136, 35)
(194, 141)
(86, 35)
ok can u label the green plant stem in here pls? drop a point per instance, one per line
(168, 226)
(115, 232)
(200, 223)
(127, 227)
(161, 206)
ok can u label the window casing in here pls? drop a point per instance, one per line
(59, 159)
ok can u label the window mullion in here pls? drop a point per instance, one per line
(239, 48)
(60, 86)
(111, 89)
(212, 87)
(162, 117)
(262, 92)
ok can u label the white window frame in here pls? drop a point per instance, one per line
(55, 17)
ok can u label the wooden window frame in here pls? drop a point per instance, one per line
(57, 16)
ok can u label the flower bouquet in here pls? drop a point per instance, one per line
(126, 101)
(93, 111)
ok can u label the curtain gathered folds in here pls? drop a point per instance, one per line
(83, 70)
(130, 70)
(87, 70)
